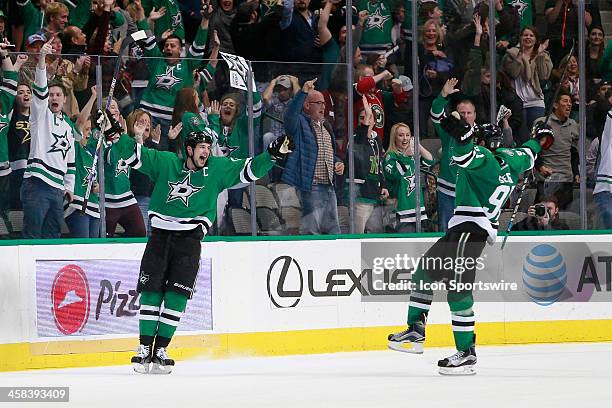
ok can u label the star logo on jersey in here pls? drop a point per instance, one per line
(167, 80)
(25, 127)
(182, 190)
(520, 5)
(122, 167)
(194, 121)
(268, 6)
(226, 149)
(176, 20)
(377, 20)
(61, 144)
(90, 175)
(411, 183)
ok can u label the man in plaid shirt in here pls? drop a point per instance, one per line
(312, 165)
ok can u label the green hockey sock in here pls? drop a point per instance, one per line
(420, 297)
(149, 316)
(174, 306)
(462, 317)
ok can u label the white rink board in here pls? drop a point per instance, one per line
(240, 292)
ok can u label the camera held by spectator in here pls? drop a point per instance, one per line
(542, 216)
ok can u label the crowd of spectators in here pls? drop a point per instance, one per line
(175, 82)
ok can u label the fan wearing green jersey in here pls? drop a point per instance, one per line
(166, 15)
(182, 209)
(376, 37)
(8, 91)
(400, 173)
(487, 174)
(168, 72)
(84, 224)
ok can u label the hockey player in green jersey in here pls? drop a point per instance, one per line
(183, 208)
(400, 175)
(487, 175)
(448, 169)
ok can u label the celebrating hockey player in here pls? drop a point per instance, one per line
(183, 208)
(487, 174)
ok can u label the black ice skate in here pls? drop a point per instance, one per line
(141, 361)
(161, 363)
(460, 363)
(410, 340)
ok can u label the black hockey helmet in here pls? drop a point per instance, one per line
(491, 135)
(193, 138)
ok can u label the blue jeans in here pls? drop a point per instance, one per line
(446, 207)
(143, 204)
(603, 201)
(531, 114)
(43, 209)
(320, 211)
(82, 225)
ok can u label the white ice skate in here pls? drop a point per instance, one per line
(142, 360)
(161, 364)
(460, 363)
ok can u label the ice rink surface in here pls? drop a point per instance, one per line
(545, 375)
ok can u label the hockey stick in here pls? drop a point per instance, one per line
(127, 41)
(526, 180)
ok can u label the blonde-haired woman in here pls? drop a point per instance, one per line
(400, 175)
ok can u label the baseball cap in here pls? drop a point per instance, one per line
(35, 37)
(406, 83)
(284, 81)
(605, 82)
(2, 14)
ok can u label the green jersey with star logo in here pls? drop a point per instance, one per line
(525, 11)
(171, 20)
(117, 187)
(166, 80)
(448, 170)
(183, 199)
(401, 180)
(485, 181)
(234, 141)
(84, 167)
(8, 91)
(193, 122)
(51, 156)
(376, 37)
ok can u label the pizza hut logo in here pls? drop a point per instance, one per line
(70, 297)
